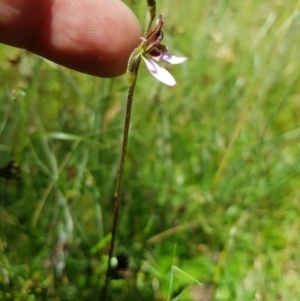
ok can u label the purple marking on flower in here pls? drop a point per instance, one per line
(159, 52)
(173, 59)
(159, 72)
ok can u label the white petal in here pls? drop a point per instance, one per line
(173, 59)
(160, 73)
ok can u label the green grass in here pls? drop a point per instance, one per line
(211, 185)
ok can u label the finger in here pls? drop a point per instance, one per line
(91, 36)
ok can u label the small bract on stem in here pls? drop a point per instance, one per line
(150, 50)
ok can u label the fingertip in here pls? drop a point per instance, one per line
(94, 37)
(123, 31)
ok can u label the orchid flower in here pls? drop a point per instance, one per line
(153, 50)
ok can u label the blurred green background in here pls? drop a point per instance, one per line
(211, 194)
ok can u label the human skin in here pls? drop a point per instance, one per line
(91, 36)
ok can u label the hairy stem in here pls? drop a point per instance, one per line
(152, 12)
(117, 198)
(131, 74)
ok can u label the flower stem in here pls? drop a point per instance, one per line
(152, 12)
(131, 75)
(117, 198)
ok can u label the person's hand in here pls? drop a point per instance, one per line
(91, 36)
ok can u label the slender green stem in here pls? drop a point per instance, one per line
(152, 12)
(117, 197)
(131, 74)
